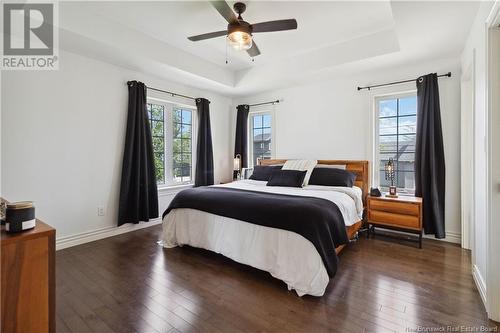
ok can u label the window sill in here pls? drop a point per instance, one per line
(173, 188)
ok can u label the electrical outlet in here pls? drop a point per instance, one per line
(101, 211)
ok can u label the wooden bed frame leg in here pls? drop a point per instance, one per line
(354, 238)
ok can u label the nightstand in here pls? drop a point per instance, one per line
(403, 213)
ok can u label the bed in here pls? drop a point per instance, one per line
(304, 263)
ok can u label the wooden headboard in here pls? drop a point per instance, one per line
(358, 167)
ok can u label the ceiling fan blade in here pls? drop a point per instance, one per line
(253, 51)
(208, 35)
(278, 25)
(223, 8)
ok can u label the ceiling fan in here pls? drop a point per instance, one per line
(239, 32)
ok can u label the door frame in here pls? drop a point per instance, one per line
(468, 78)
(493, 212)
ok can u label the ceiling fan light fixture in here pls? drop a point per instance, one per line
(240, 40)
(239, 32)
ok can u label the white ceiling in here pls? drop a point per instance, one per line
(330, 35)
(320, 24)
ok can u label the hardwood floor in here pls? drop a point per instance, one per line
(129, 283)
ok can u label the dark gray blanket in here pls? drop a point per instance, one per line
(318, 220)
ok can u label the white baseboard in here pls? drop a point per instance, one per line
(481, 285)
(93, 235)
(451, 237)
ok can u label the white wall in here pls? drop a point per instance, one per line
(62, 141)
(475, 54)
(332, 120)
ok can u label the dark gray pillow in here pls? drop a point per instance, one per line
(332, 177)
(262, 172)
(289, 178)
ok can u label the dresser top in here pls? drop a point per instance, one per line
(40, 230)
(400, 198)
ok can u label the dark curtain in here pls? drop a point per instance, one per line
(204, 155)
(240, 144)
(138, 192)
(429, 156)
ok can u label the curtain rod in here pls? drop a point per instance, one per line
(265, 103)
(171, 93)
(168, 92)
(397, 82)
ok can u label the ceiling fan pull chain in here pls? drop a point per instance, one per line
(226, 49)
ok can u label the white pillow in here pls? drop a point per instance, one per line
(334, 166)
(301, 165)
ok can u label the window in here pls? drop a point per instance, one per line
(172, 132)
(396, 136)
(156, 116)
(182, 137)
(260, 136)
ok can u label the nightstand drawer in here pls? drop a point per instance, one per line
(393, 219)
(404, 208)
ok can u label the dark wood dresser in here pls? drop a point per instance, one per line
(28, 280)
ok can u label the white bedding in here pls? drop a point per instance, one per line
(286, 255)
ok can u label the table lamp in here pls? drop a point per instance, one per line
(389, 175)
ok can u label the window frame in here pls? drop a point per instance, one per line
(376, 137)
(260, 111)
(168, 115)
